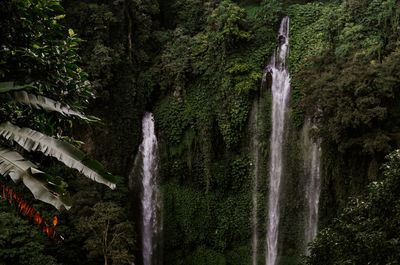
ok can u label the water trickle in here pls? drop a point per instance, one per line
(150, 201)
(312, 165)
(280, 100)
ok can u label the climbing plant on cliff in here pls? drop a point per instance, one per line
(42, 92)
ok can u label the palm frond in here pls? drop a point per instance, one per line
(72, 157)
(14, 165)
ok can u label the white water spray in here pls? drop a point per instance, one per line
(280, 100)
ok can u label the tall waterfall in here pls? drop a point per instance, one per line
(150, 200)
(280, 100)
(312, 165)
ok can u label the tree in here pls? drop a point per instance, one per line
(108, 233)
(38, 65)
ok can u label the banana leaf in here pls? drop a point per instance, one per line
(47, 104)
(66, 153)
(19, 169)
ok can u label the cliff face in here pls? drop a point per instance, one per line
(198, 65)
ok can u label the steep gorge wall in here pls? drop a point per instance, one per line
(198, 65)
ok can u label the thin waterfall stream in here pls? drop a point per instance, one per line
(312, 165)
(280, 100)
(146, 164)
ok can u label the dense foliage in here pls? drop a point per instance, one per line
(352, 79)
(197, 65)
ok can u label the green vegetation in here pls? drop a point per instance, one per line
(20, 242)
(197, 65)
(108, 235)
(209, 75)
(352, 81)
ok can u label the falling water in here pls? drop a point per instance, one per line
(150, 200)
(312, 166)
(280, 100)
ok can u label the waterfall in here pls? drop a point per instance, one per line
(312, 165)
(150, 200)
(280, 100)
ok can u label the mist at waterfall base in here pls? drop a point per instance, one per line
(146, 168)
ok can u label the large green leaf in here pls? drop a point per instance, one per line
(14, 165)
(47, 104)
(9, 86)
(72, 157)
